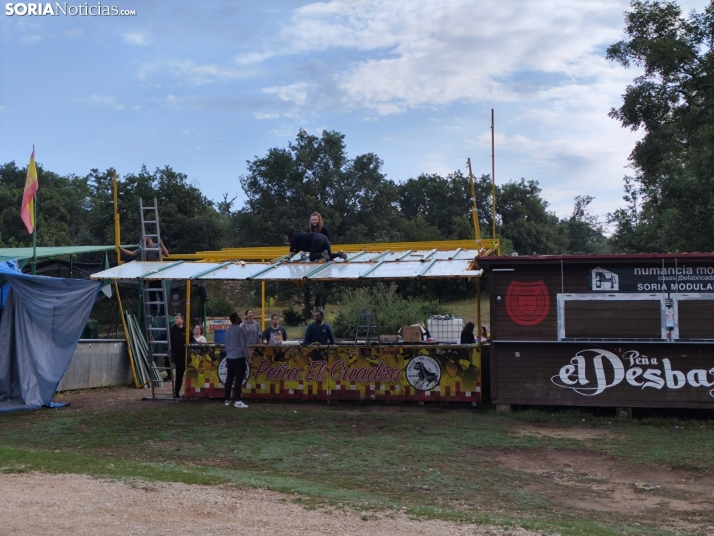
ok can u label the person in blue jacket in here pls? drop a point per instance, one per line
(318, 331)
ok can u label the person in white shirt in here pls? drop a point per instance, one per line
(198, 334)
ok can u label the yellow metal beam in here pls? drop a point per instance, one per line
(274, 252)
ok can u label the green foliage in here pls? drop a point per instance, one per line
(291, 317)
(393, 310)
(315, 174)
(585, 233)
(670, 199)
(526, 221)
(437, 208)
(219, 307)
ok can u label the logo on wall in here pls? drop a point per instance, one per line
(423, 373)
(223, 371)
(527, 304)
(604, 280)
(594, 370)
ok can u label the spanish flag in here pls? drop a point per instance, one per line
(27, 210)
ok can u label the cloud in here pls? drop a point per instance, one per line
(294, 93)
(192, 73)
(30, 39)
(104, 100)
(136, 38)
(434, 53)
(540, 64)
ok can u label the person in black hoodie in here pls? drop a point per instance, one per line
(178, 346)
(316, 244)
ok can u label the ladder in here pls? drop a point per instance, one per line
(156, 319)
(367, 322)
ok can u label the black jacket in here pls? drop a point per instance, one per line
(178, 341)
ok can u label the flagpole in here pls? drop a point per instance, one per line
(34, 235)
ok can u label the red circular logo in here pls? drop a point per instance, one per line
(527, 304)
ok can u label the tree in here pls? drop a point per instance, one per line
(61, 207)
(436, 207)
(189, 222)
(314, 173)
(526, 221)
(585, 233)
(80, 211)
(672, 104)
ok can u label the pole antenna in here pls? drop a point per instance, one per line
(474, 208)
(493, 180)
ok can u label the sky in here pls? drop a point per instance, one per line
(206, 86)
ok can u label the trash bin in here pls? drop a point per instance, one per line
(219, 336)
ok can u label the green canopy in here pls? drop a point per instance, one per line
(20, 254)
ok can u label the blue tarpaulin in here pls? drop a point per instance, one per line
(41, 323)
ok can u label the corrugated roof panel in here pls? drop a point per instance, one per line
(343, 270)
(235, 272)
(291, 271)
(397, 270)
(130, 270)
(470, 254)
(288, 271)
(180, 271)
(451, 269)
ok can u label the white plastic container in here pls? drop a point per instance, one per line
(445, 329)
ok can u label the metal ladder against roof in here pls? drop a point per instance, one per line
(371, 323)
(156, 320)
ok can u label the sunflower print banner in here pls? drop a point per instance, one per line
(421, 373)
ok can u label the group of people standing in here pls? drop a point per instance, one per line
(468, 336)
(241, 333)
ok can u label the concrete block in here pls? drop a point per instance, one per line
(97, 363)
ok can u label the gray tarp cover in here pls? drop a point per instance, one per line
(39, 331)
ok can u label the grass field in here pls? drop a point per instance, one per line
(560, 472)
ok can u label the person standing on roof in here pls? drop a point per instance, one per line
(317, 225)
(316, 244)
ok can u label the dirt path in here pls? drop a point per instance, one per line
(79, 505)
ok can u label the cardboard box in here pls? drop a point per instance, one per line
(411, 333)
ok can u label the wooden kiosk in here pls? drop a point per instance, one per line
(602, 330)
(414, 372)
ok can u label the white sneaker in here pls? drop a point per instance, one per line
(228, 403)
(240, 404)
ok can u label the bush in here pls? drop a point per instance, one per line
(393, 310)
(291, 317)
(219, 307)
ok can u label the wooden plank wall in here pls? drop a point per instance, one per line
(616, 319)
(696, 319)
(530, 373)
(503, 327)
